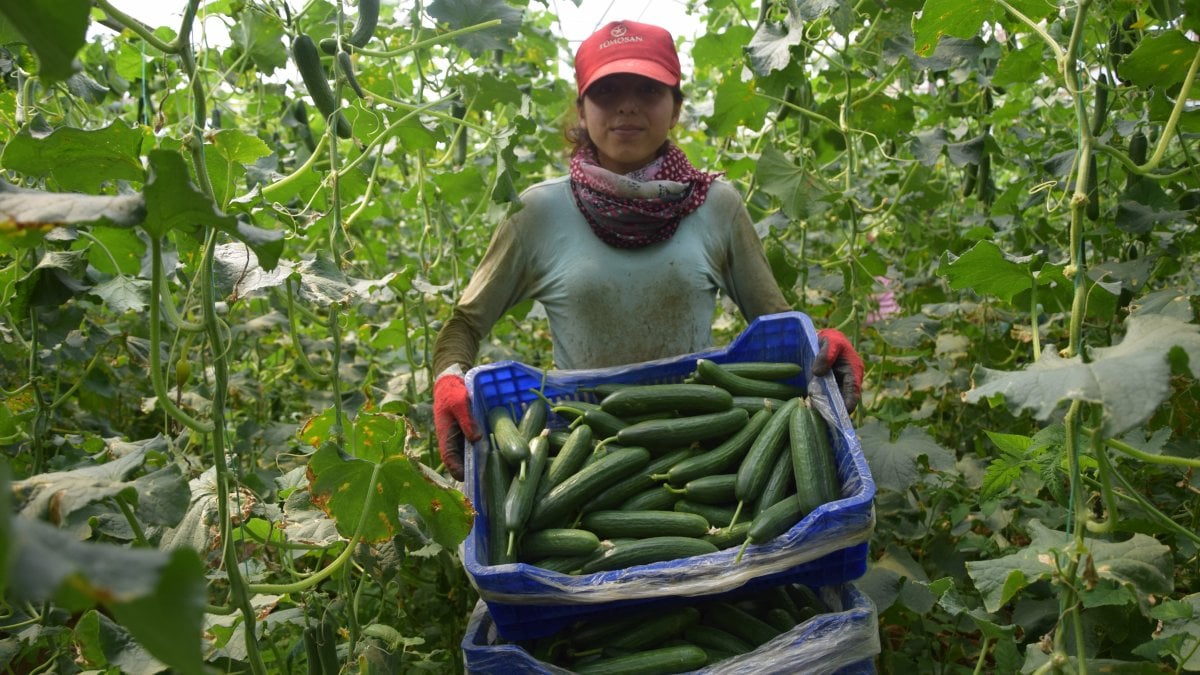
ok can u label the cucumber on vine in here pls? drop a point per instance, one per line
(308, 62)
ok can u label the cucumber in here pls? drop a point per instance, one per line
(756, 466)
(571, 456)
(346, 68)
(649, 550)
(764, 370)
(603, 424)
(813, 462)
(753, 404)
(533, 419)
(496, 479)
(638, 524)
(364, 26)
(711, 637)
(563, 564)
(685, 399)
(657, 628)
(565, 498)
(717, 515)
(736, 621)
(556, 542)
(780, 619)
(772, 522)
(308, 63)
(740, 385)
(729, 536)
(635, 484)
(722, 456)
(657, 498)
(683, 430)
(518, 503)
(780, 483)
(673, 659)
(713, 489)
(512, 445)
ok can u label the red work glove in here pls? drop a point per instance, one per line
(452, 420)
(836, 354)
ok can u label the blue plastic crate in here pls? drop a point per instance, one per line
(827, 547)
(841, 642)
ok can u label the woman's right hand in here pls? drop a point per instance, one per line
(452, 421)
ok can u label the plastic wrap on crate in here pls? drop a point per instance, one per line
(827, 547)
(841, 642)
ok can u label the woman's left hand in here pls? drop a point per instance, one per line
(836, 354)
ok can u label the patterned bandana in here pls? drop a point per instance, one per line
(642, 207)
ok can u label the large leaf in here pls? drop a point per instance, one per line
(770, 48)
(78, 160)
(159, 597)
(948, 17)
(895, 464)
(261, 36)
(23, 209)
(101, 641)
(341, 483)
(1140, 562)
(55, 31)
(1159, 60)
(465, 13)
(801, 194)
(1129, 380)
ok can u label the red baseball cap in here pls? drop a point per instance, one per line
(627, 47)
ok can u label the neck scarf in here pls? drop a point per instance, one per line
(642, 207)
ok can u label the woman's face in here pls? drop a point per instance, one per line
(628, 118)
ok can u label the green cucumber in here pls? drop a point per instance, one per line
(813, 461)
(780, 483)
(673, 659)
(780, 619)
(728, 536)
(764, 370)
(496, 480)
(633, 485)
(564, 499)
(753, 404)
(533, 419)
(518, 503)
(716, 488)
(723, 456)
(685, 399)
(364, 26)
(657, 628)
(683, 430)
(571, 456)
(657, 498)
(711, 637)
(717, 515)
(559, 541)
(346, 68)
(649, 550)
(513, 446)
(563, 564)
(756, 466)
(308, 63)
(772, 522)
(740, 385)
(736, 621)
(638, 524)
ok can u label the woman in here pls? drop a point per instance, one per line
(628, 252)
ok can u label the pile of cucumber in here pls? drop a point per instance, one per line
(731, 456)
(679, 638)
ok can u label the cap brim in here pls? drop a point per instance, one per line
(641, 67)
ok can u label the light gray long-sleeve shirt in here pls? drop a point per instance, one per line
(611, 306)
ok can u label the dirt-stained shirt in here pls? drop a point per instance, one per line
(610, 306)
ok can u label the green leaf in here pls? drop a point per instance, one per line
(770, 48)
(895, 464)
(458, 14)
(1129, 380)
(1159, 60)
(801, 194)
(340, 485)
(989, 271)
(261, 36)
(1141, 563)
(174, 202)
(25, 212)
(103, 642)
(948, 17)
(239, 147)
(119, 244)
(55, 495)
(735, 105)
(158, 596)
(123, 294)
(55, 31)
(78, 160)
